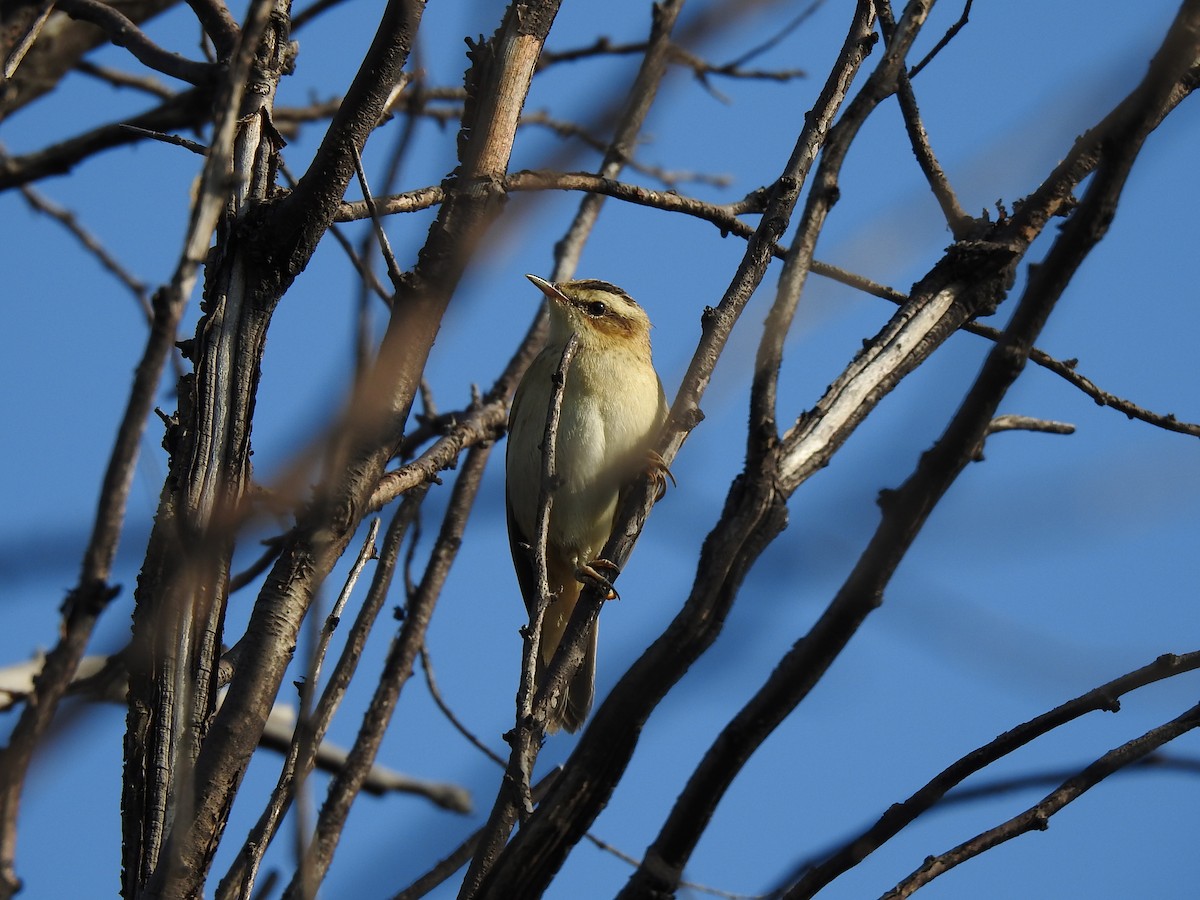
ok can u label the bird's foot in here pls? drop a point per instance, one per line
(589, 573)
(659, 473)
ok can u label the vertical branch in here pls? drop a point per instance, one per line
(282, 243)
(182, 588)
(514, 798)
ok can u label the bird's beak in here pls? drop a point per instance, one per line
(549, 289)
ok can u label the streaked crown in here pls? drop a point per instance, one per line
(596, 306)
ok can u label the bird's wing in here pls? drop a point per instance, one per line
(521, 547)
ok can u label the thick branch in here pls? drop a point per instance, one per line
(381, 404)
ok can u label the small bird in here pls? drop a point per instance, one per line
(612, 408)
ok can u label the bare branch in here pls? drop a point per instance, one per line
(28, 36)
(1066, 369)
(384, 247)
(185, 110)
(172, 139)
(1028, 423)
(724, 216)
(92, 245)
(1037, 817)
(481, 425)
(147, 84)
(961, 225)
(945, 39)
(537, 850)
(239, 880)
(396, 671)
(124, 33)
(1102, 699)
(455, 721)
(515, 797)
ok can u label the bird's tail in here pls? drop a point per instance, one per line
(571, 709)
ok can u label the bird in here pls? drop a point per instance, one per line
(611, 410)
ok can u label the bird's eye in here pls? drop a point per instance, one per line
(596, 308)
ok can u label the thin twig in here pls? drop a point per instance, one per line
(305, 737)
(669, 179)
(274, 545)
(117, 78)
(164, 138)
(946, 39)
(961, 225)
(1105, 698)
(462, 854)
(514, 798)
(541, 536)
(1028, 423)
(124, 33)
(440, 701)
(1037, 817)
(361, 266)
(65, 217)
(777, 38)
(384, 246)
(634, 862)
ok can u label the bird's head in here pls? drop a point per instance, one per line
(597, 311)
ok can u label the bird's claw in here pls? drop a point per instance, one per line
(659, 473)
(589, 574)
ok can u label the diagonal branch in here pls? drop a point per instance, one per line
(397, 669)
(961, 225)
(239, 880)
(898, 816)
(1037, 817)
(124, 33)
(906, 509)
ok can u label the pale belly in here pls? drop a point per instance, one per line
(601, 439)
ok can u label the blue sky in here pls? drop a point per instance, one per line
(1055, 565)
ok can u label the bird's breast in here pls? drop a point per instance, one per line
(610, 409)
